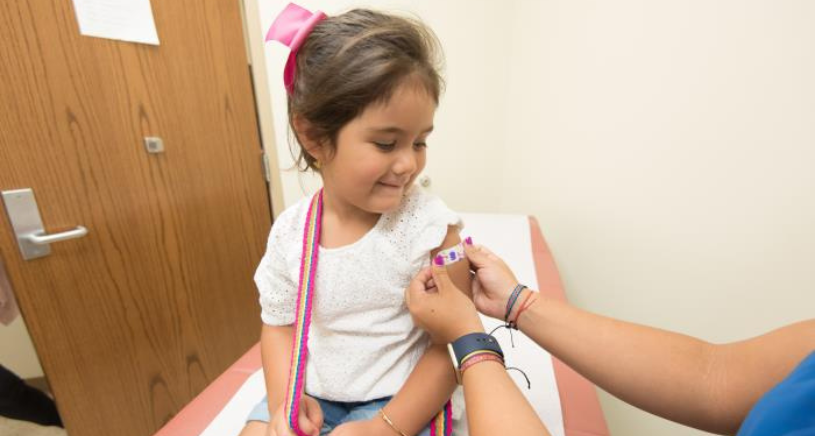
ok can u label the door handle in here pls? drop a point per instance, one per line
(78, 232)
(22, 210)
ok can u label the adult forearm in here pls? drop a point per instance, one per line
(665, 373)
(495, 406)
(424, 393)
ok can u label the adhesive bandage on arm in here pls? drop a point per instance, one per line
(451, 255)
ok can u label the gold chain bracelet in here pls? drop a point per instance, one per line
(390, 423)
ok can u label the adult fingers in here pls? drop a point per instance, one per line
(477, 288)
(422, 277)
(421, 281)
(478, 255)
(441, 278)
(417, 286)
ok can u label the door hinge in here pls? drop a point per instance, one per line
(264, 162)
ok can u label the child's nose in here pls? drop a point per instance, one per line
(406, 163)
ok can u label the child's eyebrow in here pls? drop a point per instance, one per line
(394, 129)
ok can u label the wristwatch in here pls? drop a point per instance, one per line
(466, 345)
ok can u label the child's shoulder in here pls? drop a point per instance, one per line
(418, 226)
(420, 209)
(291, 219)
(293, 212)
(418, 202)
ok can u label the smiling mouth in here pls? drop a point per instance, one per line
(393, 186)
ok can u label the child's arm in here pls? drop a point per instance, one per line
(430, 384)
(275, 351)
(433, 380)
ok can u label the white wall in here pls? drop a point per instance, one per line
(17, 352)
(16, 349)
(667, 149)
(456, 146)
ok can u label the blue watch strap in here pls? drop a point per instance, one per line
(467, 344)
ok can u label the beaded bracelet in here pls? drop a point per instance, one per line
(477, 353)
(484, 357)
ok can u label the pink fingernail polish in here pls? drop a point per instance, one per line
(468, 240)
(439, 261)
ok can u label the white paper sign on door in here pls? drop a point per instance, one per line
(126, 20)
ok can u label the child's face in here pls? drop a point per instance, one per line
(379, 154)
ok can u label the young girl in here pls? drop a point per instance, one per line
(362, 93)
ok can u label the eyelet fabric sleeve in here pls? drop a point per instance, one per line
(276, 285)
(432, 218)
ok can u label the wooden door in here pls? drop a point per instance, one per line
(134, 319)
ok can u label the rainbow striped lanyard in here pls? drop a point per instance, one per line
(442, 423)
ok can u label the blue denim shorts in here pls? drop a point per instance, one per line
(334, 413)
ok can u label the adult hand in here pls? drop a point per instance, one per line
(309, 417)
(493, 282)
(439, 307)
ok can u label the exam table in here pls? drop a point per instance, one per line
(566, 402)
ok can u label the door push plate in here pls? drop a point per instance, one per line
(21, 207)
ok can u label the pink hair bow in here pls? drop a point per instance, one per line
(291, 28)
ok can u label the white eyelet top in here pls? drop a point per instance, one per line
(362, 343)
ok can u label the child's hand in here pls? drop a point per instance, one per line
(310, 418)
(367, 427)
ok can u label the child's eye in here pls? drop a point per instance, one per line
(385, 146)
(422, 144)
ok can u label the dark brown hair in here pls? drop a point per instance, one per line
(353, 60)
